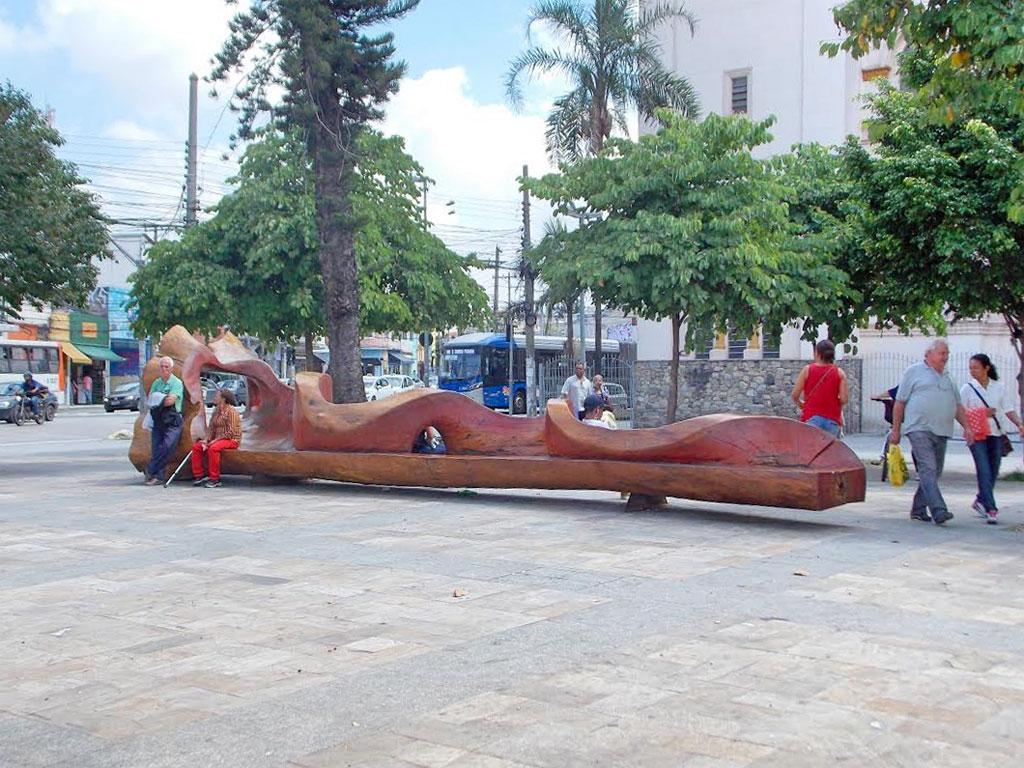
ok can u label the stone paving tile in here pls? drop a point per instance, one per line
(316, 625)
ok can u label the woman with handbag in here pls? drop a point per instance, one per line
(821, 390)
(989, 406)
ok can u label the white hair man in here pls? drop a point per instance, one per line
(167, 421)
(927, 402)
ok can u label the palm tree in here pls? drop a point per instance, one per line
(612, 62)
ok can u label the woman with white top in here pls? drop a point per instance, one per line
(986, 391)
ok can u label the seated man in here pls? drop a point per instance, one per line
(225, 434)
(429, 441)
(34, 391)
(593, 412)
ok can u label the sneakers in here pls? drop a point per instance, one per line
(924, 517)
(213, 483)
(942, 518)
(979, 509)
(991, 517)
(199, 481)
(153, 481)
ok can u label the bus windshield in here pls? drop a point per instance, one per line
(461, 364)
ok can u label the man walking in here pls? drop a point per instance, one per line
(167, 421)
(576, 389)
(926, 403)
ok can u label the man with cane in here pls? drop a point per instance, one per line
(167, 420)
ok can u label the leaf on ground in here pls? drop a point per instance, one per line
(801, 573)
(459, 593)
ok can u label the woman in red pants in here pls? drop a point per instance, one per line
(224, 434)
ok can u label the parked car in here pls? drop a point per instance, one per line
(124, 397)
(212, 382)
(379, 387)
(7, 392)
(618, 398)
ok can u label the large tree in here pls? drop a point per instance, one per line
(613, 63)
(696, 230)
(50, 227)
(255, 265)
(334, 63)
(934, 219)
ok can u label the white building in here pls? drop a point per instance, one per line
(761, 58)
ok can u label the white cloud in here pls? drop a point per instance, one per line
(472, 150)
(141, 49)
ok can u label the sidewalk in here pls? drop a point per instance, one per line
(868, 447)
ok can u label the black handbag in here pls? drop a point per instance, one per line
(1005, 446)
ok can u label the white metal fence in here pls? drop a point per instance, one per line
(882, 370)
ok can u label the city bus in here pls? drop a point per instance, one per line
(40, 358)
(476, 365)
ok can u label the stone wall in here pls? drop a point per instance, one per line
(730, 386)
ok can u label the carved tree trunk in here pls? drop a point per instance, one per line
(332, 174)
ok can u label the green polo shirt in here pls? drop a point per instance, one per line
(172, 386)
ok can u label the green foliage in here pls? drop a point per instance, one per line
(696, 229)
(959, 51)
(935, 202)
(613, 64)
(50, 228)
(255, 264)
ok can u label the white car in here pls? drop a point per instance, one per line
(379, 387)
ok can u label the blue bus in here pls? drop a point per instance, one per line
(476, 365)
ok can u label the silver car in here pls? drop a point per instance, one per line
(618, 398)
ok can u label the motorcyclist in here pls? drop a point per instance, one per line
(34, 391)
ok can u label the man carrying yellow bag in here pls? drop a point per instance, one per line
(897, 465)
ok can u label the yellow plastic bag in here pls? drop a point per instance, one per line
(897, 465)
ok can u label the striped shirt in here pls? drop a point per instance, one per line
(225, 424)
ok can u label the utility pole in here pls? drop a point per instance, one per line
(510, 325)
(191, 198)
(497, 266)
(530, 316)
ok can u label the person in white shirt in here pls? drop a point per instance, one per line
(593, 410)
(987, 392)
(576, 389)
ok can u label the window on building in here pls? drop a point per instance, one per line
(739, 94)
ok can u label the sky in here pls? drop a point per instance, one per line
(115, 75)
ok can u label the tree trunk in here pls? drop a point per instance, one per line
(1016, 326)
(332, 174)
(312, 363)
(597, 334)
(673, 371)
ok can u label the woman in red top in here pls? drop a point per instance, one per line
(820, 391)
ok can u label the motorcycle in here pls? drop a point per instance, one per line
(22, 410)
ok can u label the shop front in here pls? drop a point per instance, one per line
(85, 343)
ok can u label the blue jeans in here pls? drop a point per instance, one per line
(162, 446)
(987, 455)
(929, 451)
(832, 427)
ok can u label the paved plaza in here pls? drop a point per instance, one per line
(322, 625)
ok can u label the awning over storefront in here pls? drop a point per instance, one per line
(97, 352)
(76, 355)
